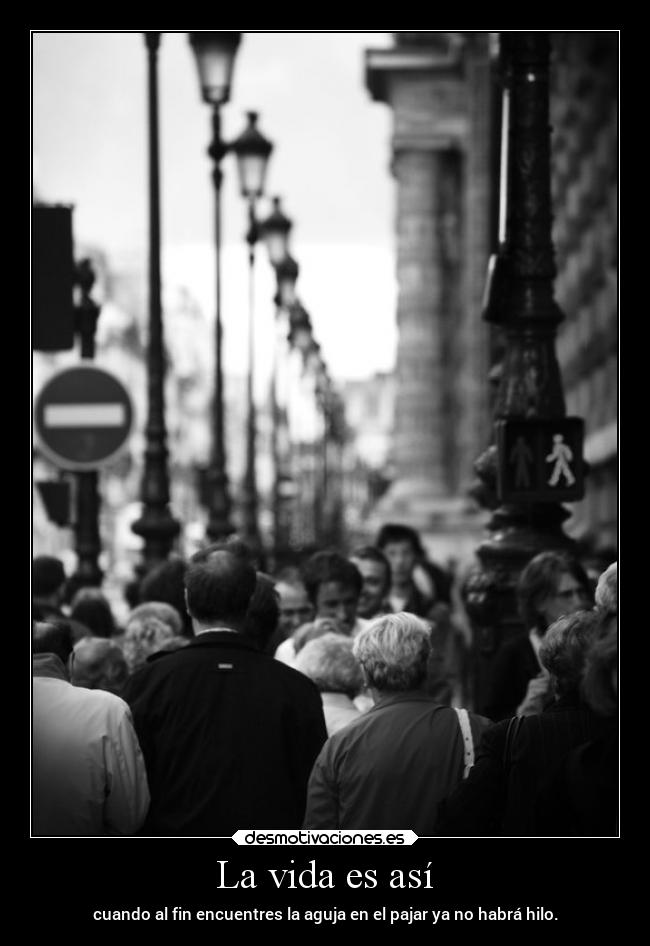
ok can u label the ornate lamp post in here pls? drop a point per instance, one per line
(274, 231)
(252, 151)
(215, 59)
(521, 487)
(156, 525)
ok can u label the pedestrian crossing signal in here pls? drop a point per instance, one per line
(540, 460)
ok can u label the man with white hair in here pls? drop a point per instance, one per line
(391, 767)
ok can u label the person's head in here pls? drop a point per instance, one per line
(90, 607)
(393, 652)
(147, 629)
(375, 572)
(314, 629)
(607, 590)
(328, 661)
(263, 612)
(53, 637)
(402, 547)
(551, 584)
(166, 582)
(98, 664)
(600, 677)
(333, 584)
(295, 606)
(564, 647)
(218, 588)
(48, 578)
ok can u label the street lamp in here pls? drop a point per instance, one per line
(252, 151)
(157, 526)
(274, 231)
(286, 272)
(215, 59)
(300, 335)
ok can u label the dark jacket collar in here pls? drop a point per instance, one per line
(221, 639)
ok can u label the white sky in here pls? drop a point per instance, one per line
(330, 165)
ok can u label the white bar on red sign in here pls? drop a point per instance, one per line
(84, 415)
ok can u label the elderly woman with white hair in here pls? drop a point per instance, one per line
(391, 767)
(328, 661)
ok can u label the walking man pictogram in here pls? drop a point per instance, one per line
(561, 454)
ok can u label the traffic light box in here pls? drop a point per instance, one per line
(52, 278)
(540, 460)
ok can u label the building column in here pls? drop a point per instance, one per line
(419, 418)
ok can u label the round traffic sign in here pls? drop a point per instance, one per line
(83, 417)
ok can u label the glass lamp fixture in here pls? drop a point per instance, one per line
(252, 151)
(215, 60)
(274, 231)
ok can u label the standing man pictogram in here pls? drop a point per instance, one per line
(521, 455)
(561, 454)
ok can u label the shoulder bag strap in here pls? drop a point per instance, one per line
(468, 742)
(511, 734)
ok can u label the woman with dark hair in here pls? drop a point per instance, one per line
(500, 795)
(166, 582)
(90, 607)
(551, 584)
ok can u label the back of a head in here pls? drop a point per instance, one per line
(53, 637)
(329, 661)
(148, 629)
(312, 630)
(48, 576)
(263, 612)
(98, 664)
(166, 582)
(90, 607)
(607, 590)
(393, 651)
(161, 610)
(564, 647)
(330, 566)
(539, 580)
(396, 532)
(219, 586)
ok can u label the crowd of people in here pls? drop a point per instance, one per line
(334, 694)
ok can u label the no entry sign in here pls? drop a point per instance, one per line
(83, 417)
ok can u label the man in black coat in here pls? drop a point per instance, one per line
(229, 735)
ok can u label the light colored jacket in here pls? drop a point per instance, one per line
(88, 773)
